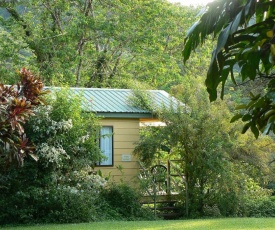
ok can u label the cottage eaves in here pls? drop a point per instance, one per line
(115, 103)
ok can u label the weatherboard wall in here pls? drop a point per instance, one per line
(125, 135)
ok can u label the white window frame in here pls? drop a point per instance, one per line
(106, 145)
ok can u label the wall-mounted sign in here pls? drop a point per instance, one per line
(126, 157)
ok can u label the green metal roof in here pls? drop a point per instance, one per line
(115, 103)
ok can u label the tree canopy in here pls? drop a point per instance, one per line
(245, 52)
(218, 163)
(94, 43)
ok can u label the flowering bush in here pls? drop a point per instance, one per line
(64, 136)
(44, 127)
(53, 127)
(61, 184)
(52, 154)
(86, 180)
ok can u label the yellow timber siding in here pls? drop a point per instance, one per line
(125, 135)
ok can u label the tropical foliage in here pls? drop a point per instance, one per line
(220, 167)
(244, 51)
(17, 104)
(62, 185)
(135, 44)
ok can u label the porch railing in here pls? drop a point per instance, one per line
(173, 182)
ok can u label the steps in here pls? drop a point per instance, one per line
(164, 207)
(169, 211)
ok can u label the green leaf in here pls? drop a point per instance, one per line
(222, 39)
(236, 117)
(236, 23)
(271, 119)
(246, 117)
(267, 129)
(243, 106)
(246, 127)
(254, 130)
(192, 29)
(187, 51)
(270, 124)
(212, 80)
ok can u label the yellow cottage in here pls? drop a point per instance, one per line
(121, 124)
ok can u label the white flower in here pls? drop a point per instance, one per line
(52, 154)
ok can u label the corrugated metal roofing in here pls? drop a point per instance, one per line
(115, 102)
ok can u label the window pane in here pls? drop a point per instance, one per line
(106, 144)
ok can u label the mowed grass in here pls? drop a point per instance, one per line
(211, 224)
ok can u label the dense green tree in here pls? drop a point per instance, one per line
(216, 160)
(14, 55)
(244, 50)
(97, 43)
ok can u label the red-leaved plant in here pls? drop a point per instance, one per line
(16, 106)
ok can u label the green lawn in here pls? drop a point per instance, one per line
(213, 224)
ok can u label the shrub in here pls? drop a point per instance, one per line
(211, 211)
(74, 199)
(125, 201)
(17, 105)
(262, 207)
(56, 205)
